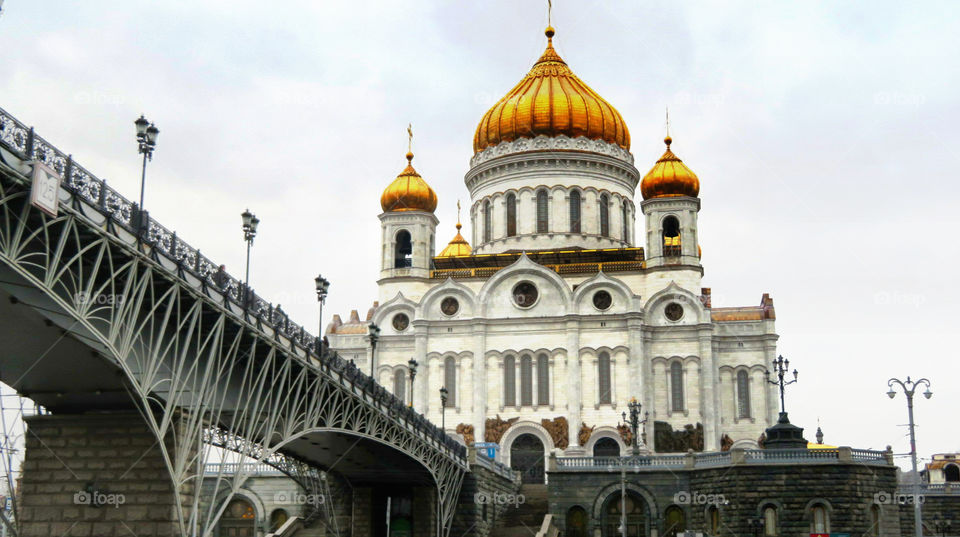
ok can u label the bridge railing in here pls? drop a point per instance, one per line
(188, 264)
(722, 458)
(232, 468)
(931, 489)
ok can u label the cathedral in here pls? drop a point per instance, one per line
(556, 313)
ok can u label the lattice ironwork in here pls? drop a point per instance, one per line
(202, 363)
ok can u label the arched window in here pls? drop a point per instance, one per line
(713, 520)
(769, 521)
(526, 381)
(543, 212)
(603, 372)
(951, 473)
(278, 518)
(576, 522)
(671, 236)
(511, 215)
(819, 519)
(674, 521)
(399, 384)
(676, 387)
(238, 519)
(606, 447)
(403, 254)
(543, 380)
(626, 222)
(509, 381)
(875, 520)
(604, 216)
(743, 395)
(487, 222)
(575, 211)
(450, 380)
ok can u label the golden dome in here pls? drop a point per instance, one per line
(457, 246)
(551, 100)
(408, 192)
(669, 177)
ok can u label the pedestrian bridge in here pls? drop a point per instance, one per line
(106, 310)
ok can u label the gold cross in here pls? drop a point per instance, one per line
(410, 138)
(549, 12)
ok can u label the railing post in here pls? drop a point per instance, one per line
(888, 455)
(844, 454)
(552, 462)
(28, 150)
(68, 170)
(737, 456)
(689, 460)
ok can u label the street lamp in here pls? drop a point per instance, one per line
(146, 140)
(941, 525)
(781, 367)
(443, 408)
(413, 373)
(323, 288)
(634, 406)
(374, 332)
(250, 223)
(756, 525)
(909, 387)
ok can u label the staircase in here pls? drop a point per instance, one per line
(524, 521)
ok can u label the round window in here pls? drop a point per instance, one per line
(449, 306)
(525, 294)
(673, 311)
(401, 322)
(602, 300)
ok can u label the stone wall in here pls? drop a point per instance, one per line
(934, 506)
(479, 508)
(74, 461)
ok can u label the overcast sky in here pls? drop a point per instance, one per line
(824, 137)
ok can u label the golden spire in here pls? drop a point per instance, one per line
(668, 140)
(458, 217)
(409, 192)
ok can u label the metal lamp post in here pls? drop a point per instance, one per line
(443, 408)
(146, 140)
(323, 288)
(756, 525)
(412, 364)
(250, 223)
(373, 331)
(634, 407)
(909, 387)
(942, 525)
(781, 367)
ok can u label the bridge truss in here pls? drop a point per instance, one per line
(204, 359)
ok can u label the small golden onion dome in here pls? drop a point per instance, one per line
(669, 177)
(408, 192)
(551, 100)
(457, 246)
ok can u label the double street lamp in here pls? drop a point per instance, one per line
(635, 422)
(146, 140)
(909, 387)
(323, 288)
(412, 365)
(781, 367)
(373, 331)
(443, 407)
(250, 223)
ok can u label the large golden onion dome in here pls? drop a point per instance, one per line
(457, 246)
(408, 192)
(669, 177)
(551, 100)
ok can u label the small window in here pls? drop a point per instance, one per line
(575, 211)
(400, 384)
(511, 215)
(450, 380)
(450, 306)
(403, 255)
(525, 294)
(543, 211)
(400, 322)
(713, 520)
(674, 521)
(626, 222)
(671, 236)
(602, 300)
(526, 381)
(603, 372)
(951, 473)
(819, 519)
(543, 380)
(509, 381)
(875, 520)
(676, 387)
(743, 395)
(604, 216)
(487, 222)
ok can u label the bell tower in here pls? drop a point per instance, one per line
(408, 226)
(670, 206)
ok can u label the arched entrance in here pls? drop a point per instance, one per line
(637, 515)
(606, 447)
(674, 521)
(576, 522)
(526, 457)
(239, 519)
(951, 473)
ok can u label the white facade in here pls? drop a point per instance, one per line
(572, 355)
